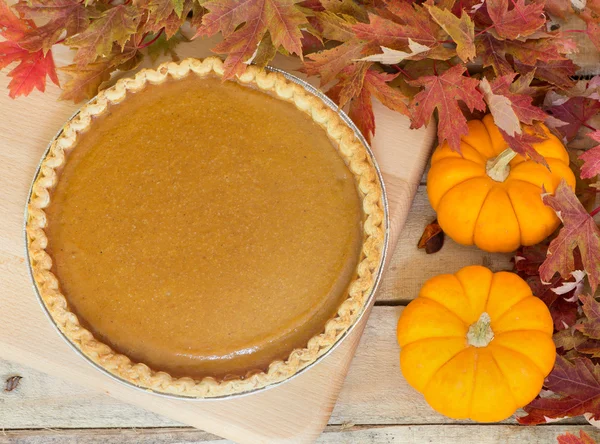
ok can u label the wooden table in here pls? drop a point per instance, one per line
(376, 404)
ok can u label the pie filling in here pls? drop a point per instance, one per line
(204, 228)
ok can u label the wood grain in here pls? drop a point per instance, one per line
(295, 412)
(416, 434)
(374, 392)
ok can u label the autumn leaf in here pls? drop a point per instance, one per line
(462, 30)
(244, 24)
(520, 21)
(329, 63)
(31, 72)
(12, 383)
(561, 304)
(432, 239)
(84, 82)
(116, 24)
(556, 72)
(521, 103)
(590, 327)
(69, 16)
(443, 92)
(334, 27)
(591, 158)
(393, 56)
(493, 54)
(501, 108)
(11, 27)
(569, 438)
(579, 231)
(576, 112)
(372, 84)
(576, 384)
(167, 14)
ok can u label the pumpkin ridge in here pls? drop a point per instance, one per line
(520, 353)
(504, 379)
(501, 315)
(512, 206)
(444, 363)
(445, 308)
(476, 367)
(455, 185)
(465, 293)
(426, 386)
(482, 156)
(477, 221)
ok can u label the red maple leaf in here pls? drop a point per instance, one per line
(556, 72)
(590, 326)
(367, 83)
(61, 15)
(579, 231)
(569, 438)
(591, 158)
(328, 64)
(493, 54)
(442, 92)
(33, 67)
(520, 21)
(11, 27)
(576, 384)
(245, 23)
(576, 112)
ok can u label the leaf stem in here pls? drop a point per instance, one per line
(595, 211)
(403, 72)
(588, 126)
(483, 31)
(155, 38)
(578, 31)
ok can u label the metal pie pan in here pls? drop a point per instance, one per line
(328, 102)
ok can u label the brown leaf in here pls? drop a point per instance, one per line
(432, 239)
(579, 231)
(569, 438)
(462, 30)
(12, 383)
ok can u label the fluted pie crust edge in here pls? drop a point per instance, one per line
(119, 365)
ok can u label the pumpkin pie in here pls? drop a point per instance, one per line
(202, 238)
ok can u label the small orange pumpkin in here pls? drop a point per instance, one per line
(490, 196)
(478, 345)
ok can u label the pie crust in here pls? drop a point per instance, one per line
(354, 155)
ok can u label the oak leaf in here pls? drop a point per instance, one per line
(442, 92)
(579, 231)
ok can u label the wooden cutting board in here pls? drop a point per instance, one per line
(296, 411)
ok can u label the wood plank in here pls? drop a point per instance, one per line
(410, 267)
(294, 412)
(446, 434)
(374, 393)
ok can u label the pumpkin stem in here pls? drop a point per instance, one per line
(480, 333)
(498, 168)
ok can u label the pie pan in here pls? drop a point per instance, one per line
(185, 388)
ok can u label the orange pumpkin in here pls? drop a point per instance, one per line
(478, 345)
(491, 197)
